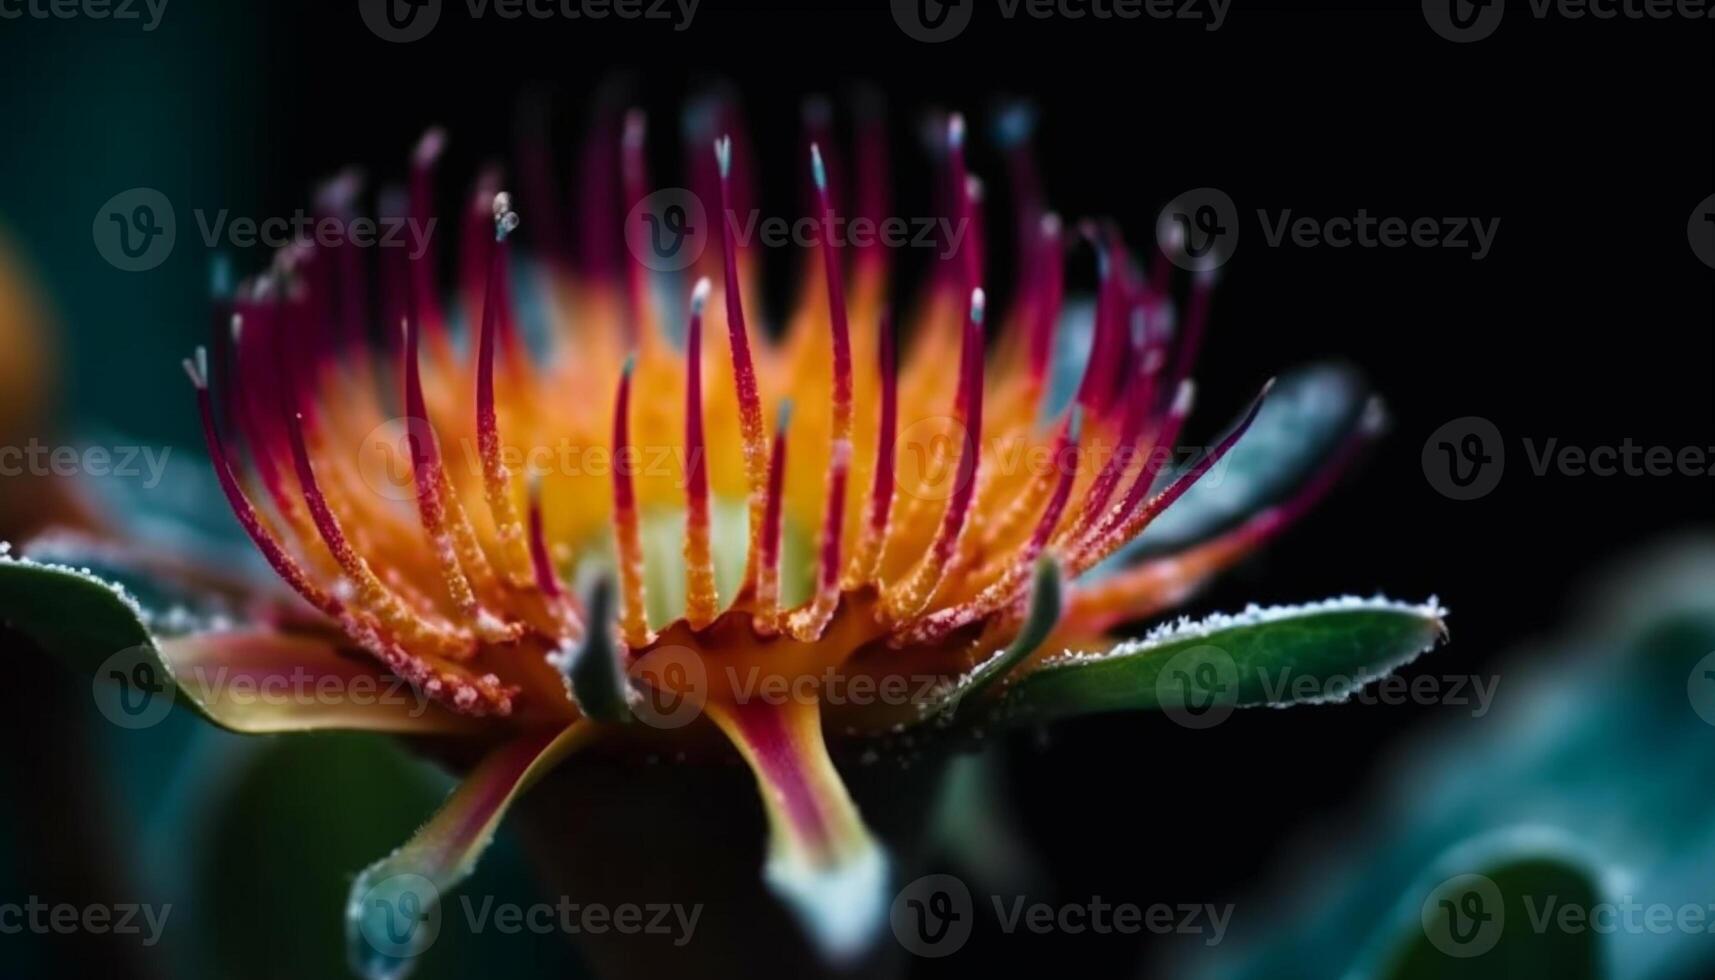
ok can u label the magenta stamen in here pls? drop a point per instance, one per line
(841, 330)
(1160, 451)
(476, 238)
(771, 516)
(425, 301)
(881, 490)
(1189, 478)
(1050, 294)
(634, 174)
(547, 579)
(970, 262)
(743, 371)
(971, 416)
(1065, 458)
(425, 450)
(696, 461)
(283, 564)
(487, 422)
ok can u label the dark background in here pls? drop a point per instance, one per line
(1590, 321)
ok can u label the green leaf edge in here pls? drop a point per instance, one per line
(123, 611)
(1129, 669)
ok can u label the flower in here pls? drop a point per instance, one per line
(602, 540)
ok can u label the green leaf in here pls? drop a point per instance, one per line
(246, 681)
(1199, 672)
(71, 614)
(1502, 921)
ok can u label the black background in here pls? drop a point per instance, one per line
(1589, 322)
